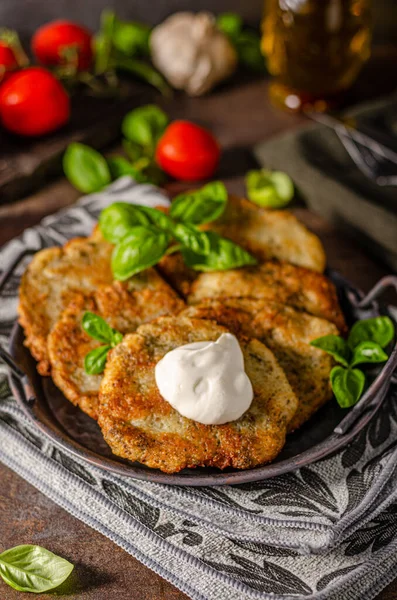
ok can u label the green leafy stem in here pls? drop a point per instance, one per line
(143, 235)
(365, 344)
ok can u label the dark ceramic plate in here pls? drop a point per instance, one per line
(328, 430)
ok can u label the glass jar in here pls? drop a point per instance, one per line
(314, 49)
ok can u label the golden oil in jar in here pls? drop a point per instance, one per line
(314, 49)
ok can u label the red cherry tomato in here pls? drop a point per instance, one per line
(33, 102)
(187, 151)
(52, 41)
(8, 61)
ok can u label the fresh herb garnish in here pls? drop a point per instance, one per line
(88, 171)
(270, 189)
(365, 344)
(97, 328)
(29, 568)
(143, 235)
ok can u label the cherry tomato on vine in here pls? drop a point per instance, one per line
(187, 151)
(33, 102)
(55, 44)
(8, 61)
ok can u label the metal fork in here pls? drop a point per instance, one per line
(375, 160)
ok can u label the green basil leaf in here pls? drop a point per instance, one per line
(133, 151)
(120, 166)
(335, 346)
(248, 47)
(230, 24)
(347, 385)
(140, 249)
(131, 38)
(116, 220)
(145, 125)
(378, 329)
(224, 254)
(95, 361)
(86, 169)
(200, 206)
(158, 218)
(117, 338)
(29, 568)
(192, 238)
(368, 352)
(271, 189)
(97, 328)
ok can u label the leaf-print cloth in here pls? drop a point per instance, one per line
(328, 531)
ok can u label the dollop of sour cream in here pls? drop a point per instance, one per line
(206, 381)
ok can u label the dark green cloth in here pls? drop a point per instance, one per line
(331, 184)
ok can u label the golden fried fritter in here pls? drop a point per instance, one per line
(140, 425)
(276, 282)
(288, 333)
(270, 234)
(124, 306)
(267, 234)
(50, 282)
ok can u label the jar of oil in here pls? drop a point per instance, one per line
(314, 49)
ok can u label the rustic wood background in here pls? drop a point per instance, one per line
(27, 15)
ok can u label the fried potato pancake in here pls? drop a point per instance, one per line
(267, 234)
(125, 306)
(275, 282)
(288, 333)
(140, 425)
(270, 234)
(49, 283)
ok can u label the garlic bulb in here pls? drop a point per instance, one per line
(191, 53)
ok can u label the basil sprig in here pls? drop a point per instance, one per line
(365, 344)
(98, 329)
(142, 235)
(89, 171)
(29, 568)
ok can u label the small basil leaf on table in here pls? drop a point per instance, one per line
(368, 352)
(224, 254)
(379, 330)
(97, 328)
(144, 125)
(140, 249)
(270, 189)
(335, 346)
(200, 206)
(192, 238)
(95, 361)
(119, 166)
(86, 169)
(34, 569)
(116, 220)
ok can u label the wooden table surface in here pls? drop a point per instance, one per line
(239, 116)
